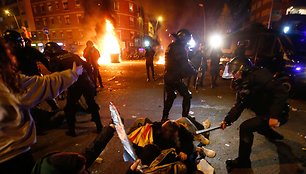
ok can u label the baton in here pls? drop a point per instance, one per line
(208, 130)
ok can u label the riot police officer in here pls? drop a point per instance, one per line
(27, 58)
(62, 60)
(260, 92)
(177, 67)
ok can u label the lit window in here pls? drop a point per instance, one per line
(116, 5)
(80, 18)
(67, 20)
(59, 19)
(132, 34)
(77, 3)
(65, 4)
(50, 7)
(131, 7)
(69, 34)
(56, 5)
(132, 21)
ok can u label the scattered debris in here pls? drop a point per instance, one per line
(191, 112)
(99, 160)
(227, 145)
(118, 84)
(202, 101)
(294, 109)
(116, 81)
(134, 116)
(124, 105)
(219, 97)
(113, 78)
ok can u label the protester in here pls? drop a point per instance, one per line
(92, 55)
(214, 66)
(150, 53)
(177, 67)
(27, 58)
(258, 90)
(61, 60)
(18, 93)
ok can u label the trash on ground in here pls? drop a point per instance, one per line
(191, 112)
(227, 145)
(99, 160)
(134, 116)
(110, 79)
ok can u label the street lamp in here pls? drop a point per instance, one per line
(7, 12)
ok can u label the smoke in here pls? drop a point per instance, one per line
(95, 13)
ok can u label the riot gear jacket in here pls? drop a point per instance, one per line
(262, 93)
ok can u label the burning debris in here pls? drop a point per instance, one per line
(108, 44)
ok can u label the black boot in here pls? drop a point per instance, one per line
(237, 164)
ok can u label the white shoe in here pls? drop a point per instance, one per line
(209, 153)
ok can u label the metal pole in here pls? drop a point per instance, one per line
(270, 17)
(16, 21)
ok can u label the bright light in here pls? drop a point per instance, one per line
(298, 68)
(146, 43)
(160, 18)
(108, 44)
(191, 43)
(286, 29)
(40, 44)
(216, 41)
(161, 60)
(60, 44)
(7, 12)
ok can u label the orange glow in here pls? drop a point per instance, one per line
(108, 44)
(161, 60)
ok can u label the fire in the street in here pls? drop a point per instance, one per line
(108, 44)
(161, 60)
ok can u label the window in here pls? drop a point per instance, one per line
(54, 34)
(45, 21)
(65, 4)
(56, 5)
(52, 20)
(132, 34)
(37, 21)
(80, 18)
(67, 20)
(69, 34)
(77, 3)
(62, 34)
(131, 21)
(34, 9)
(59, 19)
(50, 8)
(42, 8)
(131, 7)
(116, 5)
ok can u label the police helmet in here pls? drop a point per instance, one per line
(14, 37)
(52, 48)
(183, 35)
(239, 65)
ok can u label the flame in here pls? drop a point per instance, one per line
(161, 60)
(108, 44)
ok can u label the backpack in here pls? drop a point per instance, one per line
(157, 166)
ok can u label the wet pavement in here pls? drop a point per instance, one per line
(125, 85)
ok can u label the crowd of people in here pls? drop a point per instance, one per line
(161, 146)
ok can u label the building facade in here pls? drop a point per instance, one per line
(58, 21)
(268, 12)
(16, 15)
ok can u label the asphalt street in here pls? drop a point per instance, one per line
(125, 85)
